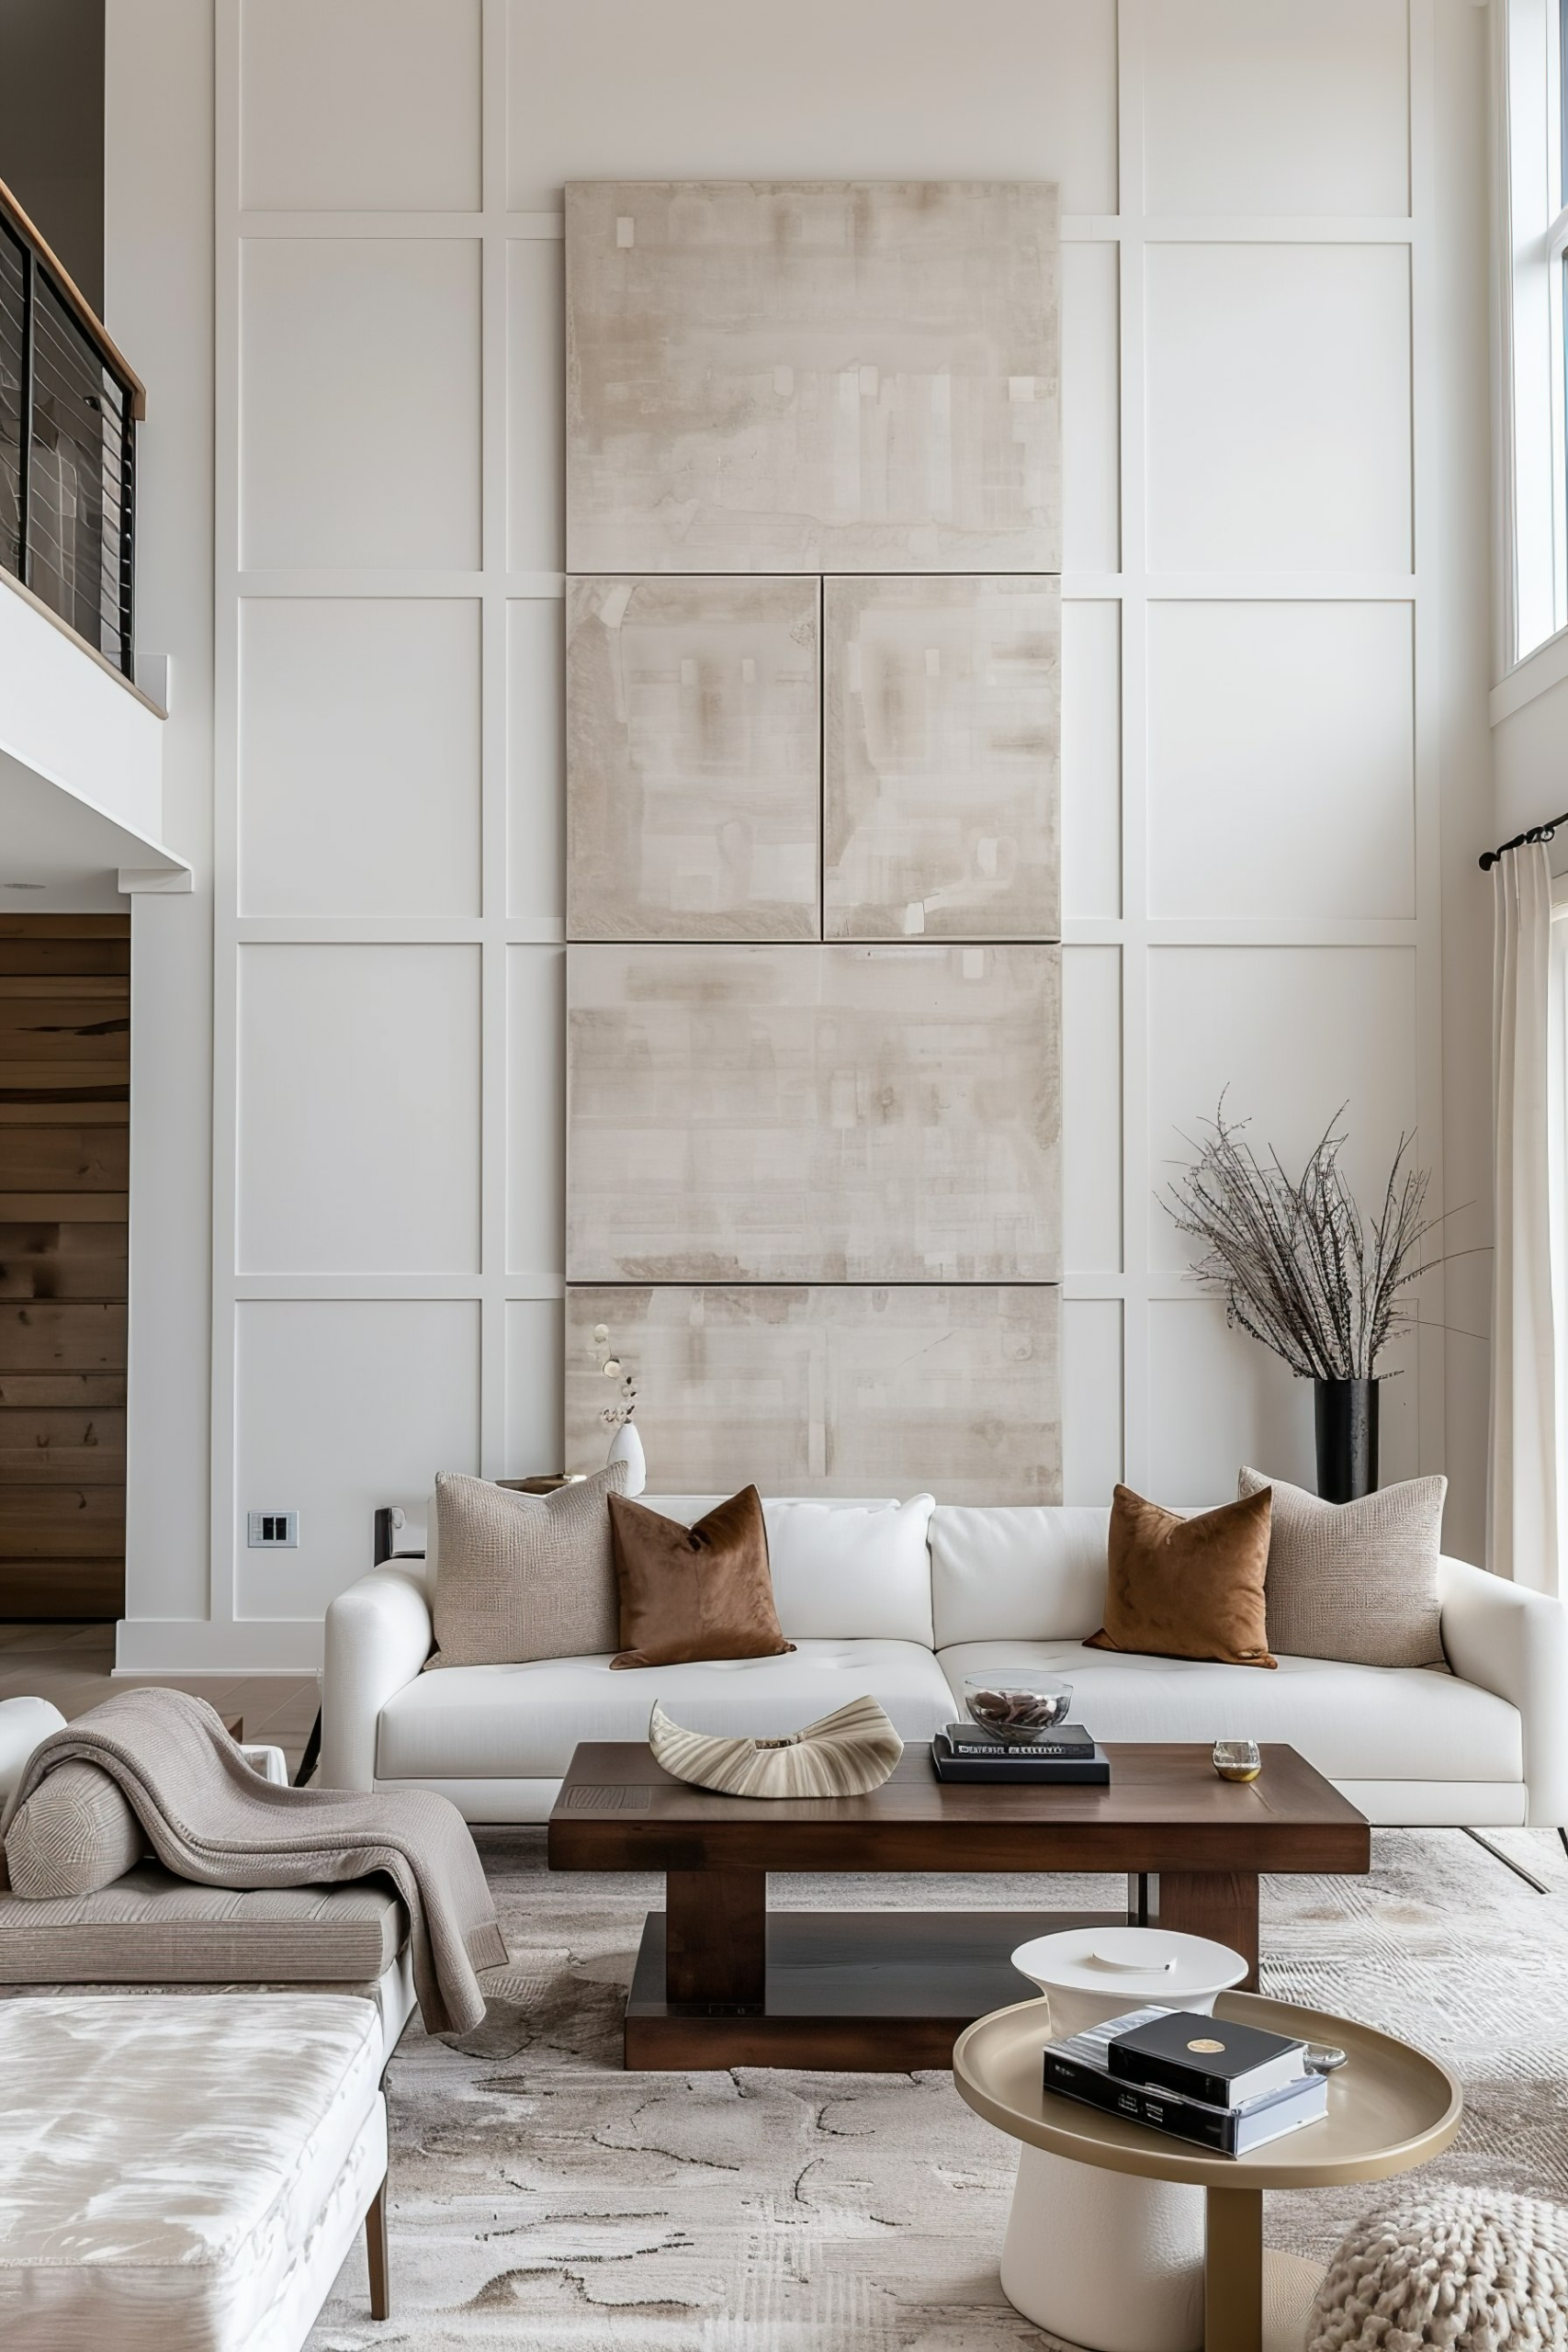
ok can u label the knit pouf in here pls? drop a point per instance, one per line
(1459, 2269)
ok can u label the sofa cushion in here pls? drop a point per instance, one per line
(169, 2162)
(522, 1576)
(1354, 1723)
(75, 1833)
(690, 1593)
(843, 1570)
(153, 1928)
(1036, 1574)
(1355, 1580)
(523, 1722)
(1181, 1585)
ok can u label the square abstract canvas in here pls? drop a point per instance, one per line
(833, 1113)
(841, 1390)
(813, 375)
(942, 758)
(693, 759)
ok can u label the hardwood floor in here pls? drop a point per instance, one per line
(72, 1665)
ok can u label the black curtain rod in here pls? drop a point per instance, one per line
(1537, 833)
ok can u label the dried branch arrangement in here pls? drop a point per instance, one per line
(1295, 1263)
(602, 1349)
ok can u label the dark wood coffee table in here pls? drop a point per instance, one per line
(721, 1981)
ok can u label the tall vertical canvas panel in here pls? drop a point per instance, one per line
(694, 735)
(813, 747)
(813, 375)
(839, 1389)
(941, 780)
(844, 1114)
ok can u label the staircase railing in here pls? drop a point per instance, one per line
(69, 405)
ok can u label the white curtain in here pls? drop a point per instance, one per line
(1525, 1309)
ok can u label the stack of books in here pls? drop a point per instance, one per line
(966, 1752)
(1226, 2087)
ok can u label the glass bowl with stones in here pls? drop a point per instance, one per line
(1016, 1709)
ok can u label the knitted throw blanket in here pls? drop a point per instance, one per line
(210, 1819)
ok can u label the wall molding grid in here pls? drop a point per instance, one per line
(1114, 915)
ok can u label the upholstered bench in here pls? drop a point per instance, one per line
(152, 1929)
(182, 2174)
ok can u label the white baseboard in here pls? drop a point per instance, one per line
(194, 1645)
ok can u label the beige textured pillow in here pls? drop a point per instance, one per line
(1355, 1582)
(524, 1576)
(75, 1834)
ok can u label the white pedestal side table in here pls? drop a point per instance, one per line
(1390, 2109)
(1103, 2260)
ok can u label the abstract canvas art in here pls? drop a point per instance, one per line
(838, 1390)
(813, 375)
(942, 758)
(693, 746)
(838, 1114)
(814, 1082)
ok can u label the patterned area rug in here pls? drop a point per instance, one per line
(541, 2196)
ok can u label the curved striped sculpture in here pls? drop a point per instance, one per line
(843, 1755)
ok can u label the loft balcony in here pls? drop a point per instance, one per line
(81, 740)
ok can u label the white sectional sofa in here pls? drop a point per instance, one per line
(902, 1600)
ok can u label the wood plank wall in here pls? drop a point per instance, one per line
(64, 1173)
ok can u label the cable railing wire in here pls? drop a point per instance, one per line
(68, 407)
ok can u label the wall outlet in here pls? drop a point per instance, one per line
(273, 1531)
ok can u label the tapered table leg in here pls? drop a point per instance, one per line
(376, 2252)
(1221, 1905)
(1233, 2271)
(715, 1938)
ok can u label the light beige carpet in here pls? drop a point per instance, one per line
(542, 2198)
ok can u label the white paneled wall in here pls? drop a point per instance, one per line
(1253, 729)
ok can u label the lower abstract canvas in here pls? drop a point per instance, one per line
(826, 1389)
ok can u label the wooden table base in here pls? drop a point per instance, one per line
(721, 1981)
(880, 1992)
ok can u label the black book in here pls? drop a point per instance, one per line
(1023, 1768)
(1205, 2058)
(1078, 2068)
(972, 1739)
(1231, 2132)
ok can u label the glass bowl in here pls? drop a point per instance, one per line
(1017, 1708)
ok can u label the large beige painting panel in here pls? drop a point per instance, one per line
(955, 1389)
(942, 764)
(831, 1114)
(693, 751)
(806, 376)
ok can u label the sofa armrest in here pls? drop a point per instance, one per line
(23, 1723)
(1514, 1642)
(378, 1636)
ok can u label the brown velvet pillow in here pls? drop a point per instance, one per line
(694, 1592)
(1185, 1588)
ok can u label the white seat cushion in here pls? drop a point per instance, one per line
(523, 1722)
(1354, 1723)
(166, 2161)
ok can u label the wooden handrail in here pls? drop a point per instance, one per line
(86, 317)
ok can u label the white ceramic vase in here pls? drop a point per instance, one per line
(626, 1446)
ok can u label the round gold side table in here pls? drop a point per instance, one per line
(1390, 2109)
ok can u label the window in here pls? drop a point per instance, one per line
(1534, 318)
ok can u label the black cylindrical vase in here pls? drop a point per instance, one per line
(1347, 1439)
